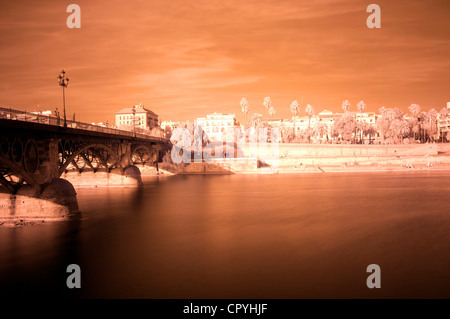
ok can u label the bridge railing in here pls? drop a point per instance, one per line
(31, 117)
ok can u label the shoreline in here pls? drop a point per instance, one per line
(317, 158)
(311, 165)
(318, 170)
(325, 169)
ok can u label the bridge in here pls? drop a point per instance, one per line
(36, 151)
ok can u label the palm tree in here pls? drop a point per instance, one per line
(245, 108)
(361, 107)
(423, 124)
(294, 110)
(414, 124)
(370, 130)
(320, 129)
(346, 105)
(443, 115)
(415, 110)
(255, 120)
(386, 122)
(310, 112)
(267, 102)
(401, 127)
(272, 111)
(344, 126)
(361, 126)
(432, 117)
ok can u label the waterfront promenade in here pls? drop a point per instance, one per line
(310, 158)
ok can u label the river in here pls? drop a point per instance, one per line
(243, 236)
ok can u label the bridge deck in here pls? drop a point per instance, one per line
(80, 129)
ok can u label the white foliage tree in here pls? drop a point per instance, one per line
(346, 105)
(245, 107)
(272, 111)
(267, 102)
(294, 110)
(309, 110)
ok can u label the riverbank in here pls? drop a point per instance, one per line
(438, 159)
(306, 158)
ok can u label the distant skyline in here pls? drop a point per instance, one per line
(186, 59)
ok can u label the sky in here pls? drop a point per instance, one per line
(184, 59)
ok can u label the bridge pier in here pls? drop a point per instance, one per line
(129, 177)
(48, 167)
(58, 201)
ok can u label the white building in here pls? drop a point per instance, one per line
(302, 123)
(138, 115)
(170, 125)
(444, 124)
(368, 117)
(217, 125)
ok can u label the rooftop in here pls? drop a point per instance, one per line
(139, 109)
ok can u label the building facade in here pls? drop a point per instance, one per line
(217, 125)
(138, 116)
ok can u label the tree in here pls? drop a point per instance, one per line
(255, 120)
(346, 105)
(286, 133)
(414, 125)
(370, 130)
(309, 110)
(385, 122)
(294, 110)
(361, 107)
(401, 127)
(267, 102)
(245, 108)
(430, 122)
(189, 136)
(345, 126)
(320, 129)
(415, 110)
(361, 126)
(443, 115)
(272, 111)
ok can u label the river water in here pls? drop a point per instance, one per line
(243, 236)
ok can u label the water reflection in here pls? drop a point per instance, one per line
(280, 236)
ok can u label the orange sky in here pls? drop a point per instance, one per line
(186, 58)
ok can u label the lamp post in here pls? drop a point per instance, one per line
(63, 81)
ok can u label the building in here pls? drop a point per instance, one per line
(328, 118)
(168, 127)
(368, 117)
(141, 117)
(444, 124)
(172, 125)
(217, 125)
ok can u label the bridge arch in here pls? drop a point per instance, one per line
(81, 151)
(15, 176)
(143, 153)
